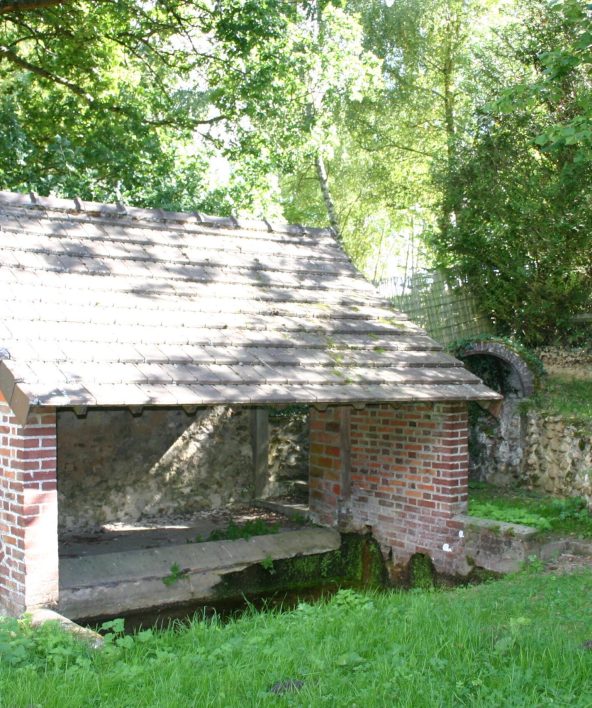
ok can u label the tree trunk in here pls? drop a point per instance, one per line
(448, 71)
(327, 197)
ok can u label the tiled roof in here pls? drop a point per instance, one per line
(110, 305)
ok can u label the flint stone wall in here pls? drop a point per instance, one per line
(558, 456)
(558, 358)
(116, 467)
(544, 452)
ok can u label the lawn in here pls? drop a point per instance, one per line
(548, 514)
(520, 641)
(566, 396)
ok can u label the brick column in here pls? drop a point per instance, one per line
(28, 511)
(330, 464)
(409, 475)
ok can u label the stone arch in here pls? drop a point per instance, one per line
(496, 444)
(523, 378)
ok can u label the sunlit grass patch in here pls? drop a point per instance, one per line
(520, 506)
(519, 641)
(566, 396)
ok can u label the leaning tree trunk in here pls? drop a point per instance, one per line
(327, 197)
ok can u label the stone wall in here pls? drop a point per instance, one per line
(526, 446)
(497, 445)
(543, 452)
(558, 456)
(288, 451)
(116, 467)
(557, 358)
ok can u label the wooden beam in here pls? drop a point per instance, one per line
(492, 407)
(80, 411)
(260, 446)
(345, 450)
(136, 410)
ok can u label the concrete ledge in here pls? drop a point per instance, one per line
(503, 527)
(111, 584)
(503, 547)
(497, 546)
(43, 615)
(287, 508)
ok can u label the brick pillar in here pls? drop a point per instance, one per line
(28, 511)
(329, 464)
(409, 475)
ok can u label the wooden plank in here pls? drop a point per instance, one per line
(260, 447)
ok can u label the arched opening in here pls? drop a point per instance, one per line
(496, 443)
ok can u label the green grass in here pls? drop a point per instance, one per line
(234, 531)
(566, 396)
(562, 516)
(514, 642)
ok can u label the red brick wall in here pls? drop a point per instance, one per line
(325, 465)
(28, 511)
(404, 474)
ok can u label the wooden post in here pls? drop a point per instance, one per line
(345, 450)
(260, 445)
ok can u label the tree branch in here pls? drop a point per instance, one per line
(398, 146)
(27, 5)
(13, 57)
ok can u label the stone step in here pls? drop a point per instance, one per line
(113, 584)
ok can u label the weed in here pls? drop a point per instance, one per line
(509, 514)
(475, 484)
(234, 531)
(520, 506)
(533, 564)
(176, 573)
(421, 572)
(267, 564)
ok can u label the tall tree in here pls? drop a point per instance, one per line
(521, 185)
(111, 98)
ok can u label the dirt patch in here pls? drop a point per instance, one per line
(569, 563)
(577, 557)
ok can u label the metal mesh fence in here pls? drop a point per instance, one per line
(447, 312)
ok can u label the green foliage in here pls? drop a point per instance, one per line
(107, 101)
(564, 62)
(510, 514)
(567, 516)
(518, 641)
(521, 209)
(267, 564)
(421, 572)
(533, 564)
(253, 527)
(176, 574)
(566, 396)
(23, 646)
(434, 116)
(294, 410)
